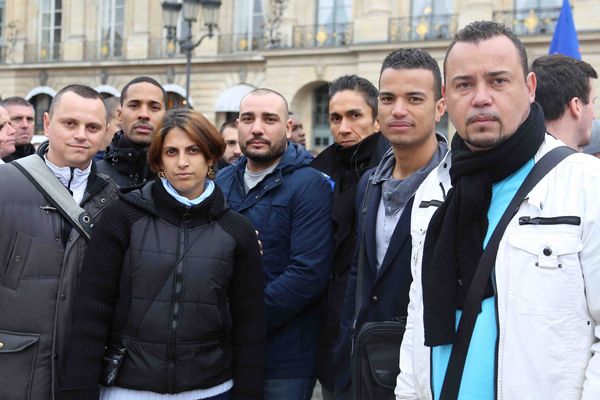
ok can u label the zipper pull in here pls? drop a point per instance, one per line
(526, 220)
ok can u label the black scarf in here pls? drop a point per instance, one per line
(454, 241)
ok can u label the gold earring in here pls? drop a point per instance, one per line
(161, 173)
(211, 171)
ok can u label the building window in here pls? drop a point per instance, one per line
(333, 23)
(431, 7)
(41, 104)
(321, 131)
(432, 19)
(111, 28)
(249, 23)
(50, 29)
(332, 12)
(529, 4)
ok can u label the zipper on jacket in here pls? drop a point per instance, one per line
(176, 302)
(562, 220)
(430, 203)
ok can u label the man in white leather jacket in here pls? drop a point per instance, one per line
(538, 333)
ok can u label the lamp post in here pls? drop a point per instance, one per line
(190, 8)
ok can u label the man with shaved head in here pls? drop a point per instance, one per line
(289, 204)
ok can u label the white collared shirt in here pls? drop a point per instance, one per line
(74, 179)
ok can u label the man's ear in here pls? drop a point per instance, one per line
(531, 82)
(574, 107)
(46, 124)
(440, 109)
(288, 127)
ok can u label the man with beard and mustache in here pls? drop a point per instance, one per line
(143, 102)
(289, 204)
(537, 329)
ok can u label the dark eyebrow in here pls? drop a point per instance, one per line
(268, 114)
(496, 73)
(487, 74)
(462, 78)
(247, 114)
(417, 92)
(354, 111)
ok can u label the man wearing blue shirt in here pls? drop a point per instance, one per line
(537, 334)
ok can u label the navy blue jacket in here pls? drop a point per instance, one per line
(291, 211)
(385, 292)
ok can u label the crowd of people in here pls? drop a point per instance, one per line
(147, 255)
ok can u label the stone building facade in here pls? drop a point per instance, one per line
(293, 46)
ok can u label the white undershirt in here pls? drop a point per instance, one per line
(118, 393)
(76, 183)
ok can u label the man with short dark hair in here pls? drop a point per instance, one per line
(537, 329)
(112, 104)
(22, 118)
(351, 115)
(289, 204)
(565, 90)
(42, 251)
(297, 134)
(232, 143)
(409, 105)
(143, 102)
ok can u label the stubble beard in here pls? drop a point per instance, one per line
(275, 151)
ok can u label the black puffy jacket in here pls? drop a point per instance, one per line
(183, 289)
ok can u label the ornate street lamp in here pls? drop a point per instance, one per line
(190, 8)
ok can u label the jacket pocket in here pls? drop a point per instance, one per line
(17, 261)
(547, 271)
(18, 353)
(224, 314)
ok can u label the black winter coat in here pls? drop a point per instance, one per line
(40, 259)
(345, 166)
(126, 162)
(183, 289)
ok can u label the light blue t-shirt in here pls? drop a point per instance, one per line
(478, 376)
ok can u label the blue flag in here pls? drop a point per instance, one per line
(565, 40)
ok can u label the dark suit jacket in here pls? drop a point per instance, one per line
(384, 293)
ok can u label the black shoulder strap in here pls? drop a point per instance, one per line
(472, 306)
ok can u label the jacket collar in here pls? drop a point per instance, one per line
(154, 199)
(96, 181)
(537, 194)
